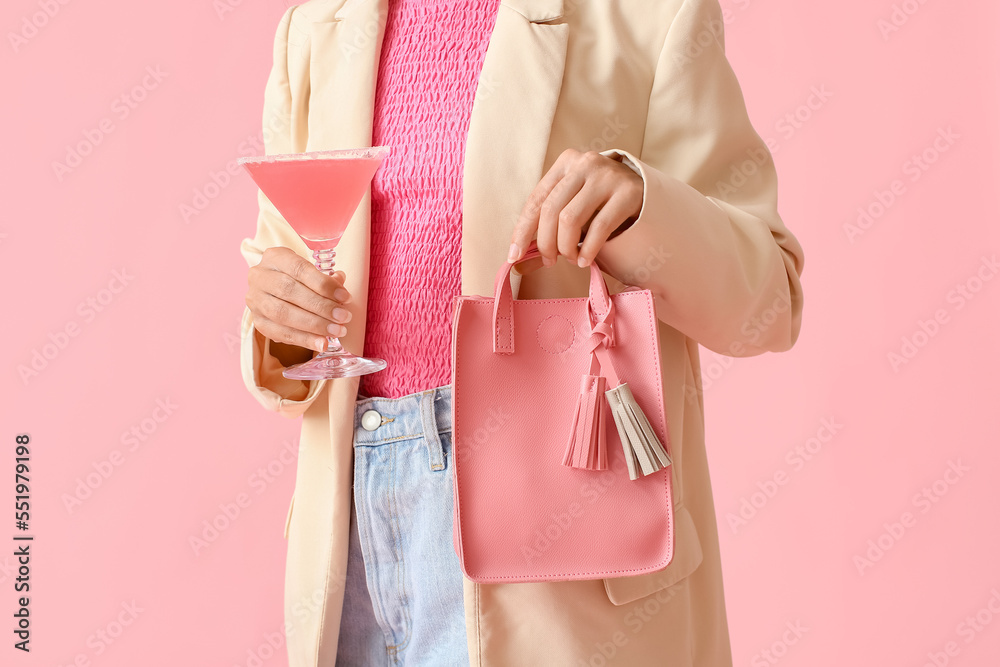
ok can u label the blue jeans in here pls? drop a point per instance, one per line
(403, 600)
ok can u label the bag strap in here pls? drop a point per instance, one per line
(599, 306)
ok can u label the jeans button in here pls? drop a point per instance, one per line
(371, 420)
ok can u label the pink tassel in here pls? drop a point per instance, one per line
(587, 446)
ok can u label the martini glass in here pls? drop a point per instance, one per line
(317, 193)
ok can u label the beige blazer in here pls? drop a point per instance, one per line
(644, 80)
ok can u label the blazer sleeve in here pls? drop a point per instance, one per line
(708, 241)
(261, 370)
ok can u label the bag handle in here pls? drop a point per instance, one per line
(599, 305)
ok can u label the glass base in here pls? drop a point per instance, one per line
(339, 365)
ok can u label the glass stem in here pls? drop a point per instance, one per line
(324, 260)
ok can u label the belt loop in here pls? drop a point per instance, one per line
(434, 448)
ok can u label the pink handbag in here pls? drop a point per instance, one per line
(558, 473)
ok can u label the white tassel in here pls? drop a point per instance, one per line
(644, 453)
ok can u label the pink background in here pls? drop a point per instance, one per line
(169, 334)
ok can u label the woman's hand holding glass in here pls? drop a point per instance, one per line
(294, 303)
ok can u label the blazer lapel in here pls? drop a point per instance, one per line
(509, 131)
(507, 142)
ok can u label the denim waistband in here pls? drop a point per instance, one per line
(423, 414)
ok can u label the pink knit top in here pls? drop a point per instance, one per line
(432, 54)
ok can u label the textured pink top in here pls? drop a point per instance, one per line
(432, 54)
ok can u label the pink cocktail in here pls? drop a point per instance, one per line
(317, 193)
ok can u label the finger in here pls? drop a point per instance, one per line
(341, 293)
(578, 211)
(282, 334)
(527, 221)
(612, 215)
(305, 272)
(550, 219)
(291, 316)
(287, 288)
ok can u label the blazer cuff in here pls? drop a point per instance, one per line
(715, 270)
(623, 157)
(262, 375)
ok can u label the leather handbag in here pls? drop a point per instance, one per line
(560, 440)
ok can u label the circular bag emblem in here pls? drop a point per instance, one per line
(555, 334)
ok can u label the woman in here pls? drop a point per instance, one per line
(613, 133)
